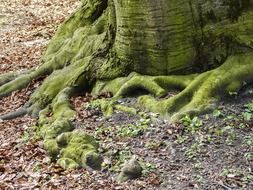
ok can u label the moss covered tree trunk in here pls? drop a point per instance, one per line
(201, 47)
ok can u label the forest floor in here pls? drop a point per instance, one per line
(214, 151)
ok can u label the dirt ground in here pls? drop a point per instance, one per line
(213, 151)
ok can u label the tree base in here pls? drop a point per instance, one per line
(199, 92)
(87, 50)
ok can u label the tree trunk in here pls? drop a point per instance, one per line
(202, 48)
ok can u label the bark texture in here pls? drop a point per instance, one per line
(201, 47)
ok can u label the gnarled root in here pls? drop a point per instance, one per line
(156, 85)
(199, 93)
(202, 94)
(71, 148)
(68, 62)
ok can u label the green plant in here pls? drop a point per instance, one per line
(231, 138)
(153, 144)
(132, 130)
(102, 130)
(182, 139)
(229, 172)
(25, 137)
(223, 130)
(249, 156)
(217, 113)
(37, 167)
(247, 179)
(249, 106)
(199, 178)
(241, 176)
(92, 105)
(147, 168)
(247, 116)
(248, 140)
(121, 157)
(248, 111)
(192, 124)
(198, 166)
(192, 152)
(242, 126)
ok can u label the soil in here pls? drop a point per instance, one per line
(212, 151)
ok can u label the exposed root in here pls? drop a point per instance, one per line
(71, 148)
(205, 90)
(5, 78)
(108, 107)
(68, 61)
(199, 93)
(156, 85)
(55, 83)
(73, 43)
(12, 115)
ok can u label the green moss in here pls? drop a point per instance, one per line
(126, 109)
(107, 107)
(234, 87)
(205, 90)
(52, 148)
(56, 128)
(72, 147)
(92, 160)
(67, 163)
(64, 139)
(156, 85)
(131, 170)
(80, 148)
(16, 84)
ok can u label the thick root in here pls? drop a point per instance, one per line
(70, 76)
(5, 78)
(71, 148)
(108, 107)
(73, 43)
(202, 94)
(119, 87)
(199, 93)
(69, 60)
(156, 85)
(18, 113)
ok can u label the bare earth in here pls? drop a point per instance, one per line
(214, 151)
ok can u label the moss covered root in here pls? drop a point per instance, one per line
(109, 106)
(69, 62)
(198, 92)
(202, 94)
(155, 85)
(71, 148)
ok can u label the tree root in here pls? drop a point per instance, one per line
(5, 78)
(199, 93)
(156, 85)
(68, 61)
(12, 115)
(73, 43)
(71, 148)
(108, 107)
(203, 93)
